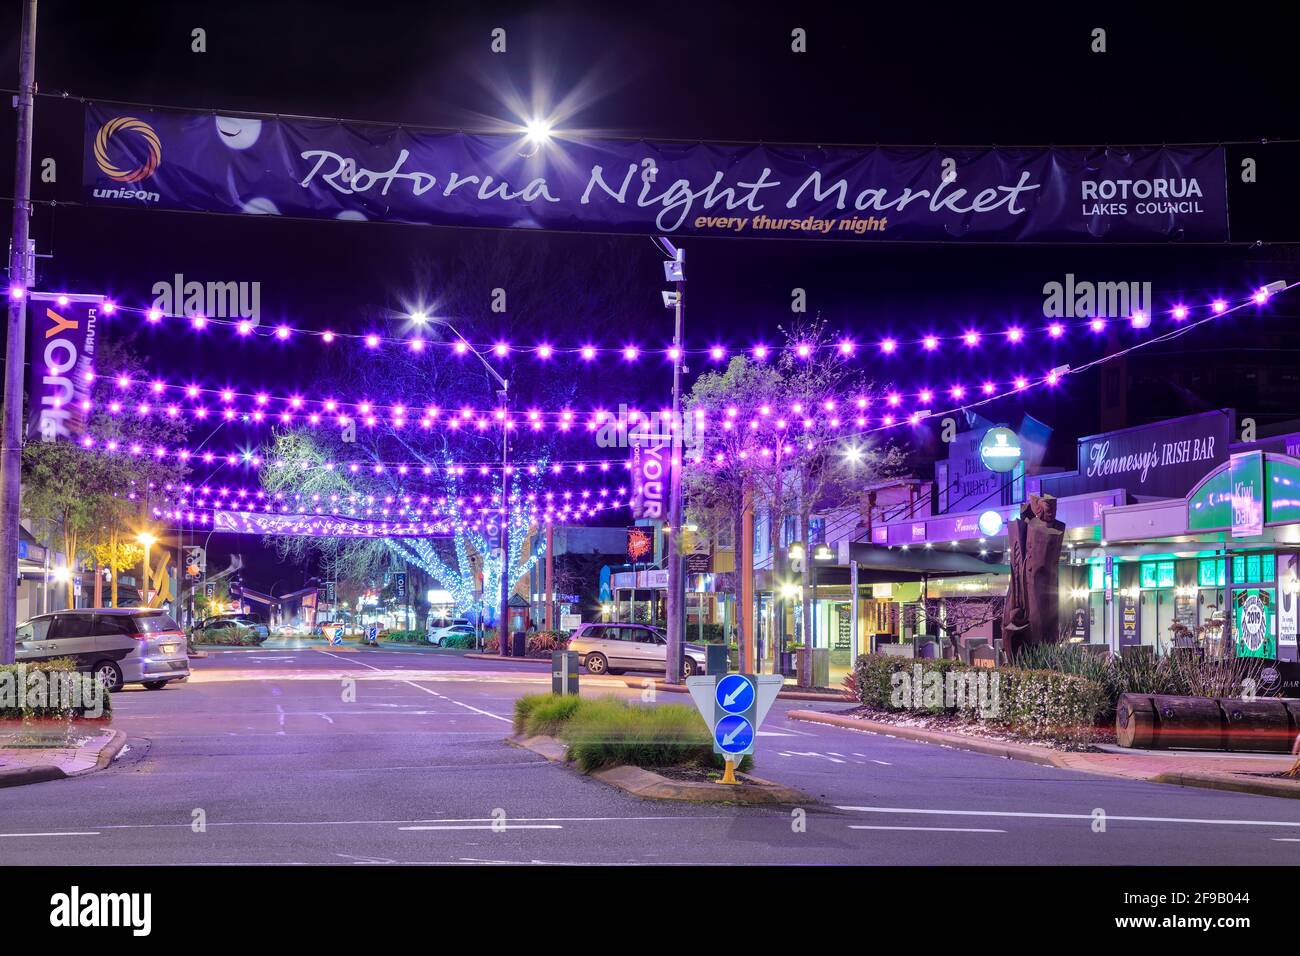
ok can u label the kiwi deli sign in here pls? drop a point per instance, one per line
(327, 169)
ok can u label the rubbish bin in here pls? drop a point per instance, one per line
(518, 644)
(787, 663)
(715, 659)
(816, 662)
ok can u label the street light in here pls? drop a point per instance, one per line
(504, 394)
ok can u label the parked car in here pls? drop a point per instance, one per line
(118, 645)
(614, 648)
(440, 634)
(220, 623)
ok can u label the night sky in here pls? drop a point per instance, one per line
(920, 74)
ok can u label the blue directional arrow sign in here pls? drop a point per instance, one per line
(734, 694)
(733, 735)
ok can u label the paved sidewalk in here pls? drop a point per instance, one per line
(1245, 773)
(23, 765)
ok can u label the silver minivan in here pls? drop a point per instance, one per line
(131, 645)
(613, 648)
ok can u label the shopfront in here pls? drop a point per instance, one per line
(1220, 565)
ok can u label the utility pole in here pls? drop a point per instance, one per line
(503, 628)
(11, 436)
(675, 271)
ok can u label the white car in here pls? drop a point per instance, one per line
(440, 634)
(614, 648)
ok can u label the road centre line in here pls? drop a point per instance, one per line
(1071, 816)
(930, 829)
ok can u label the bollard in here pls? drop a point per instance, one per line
(564, 672)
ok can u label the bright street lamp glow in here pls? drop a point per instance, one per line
(146, 539)
(538, 131)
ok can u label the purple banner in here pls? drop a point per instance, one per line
(318, 526)
(60, 357)
(324, 169)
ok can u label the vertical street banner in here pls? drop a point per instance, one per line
(650, 464)
(267, 165)
(61, 336)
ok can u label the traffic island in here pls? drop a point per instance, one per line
(790, 692)
(661, 752)
(656, 785)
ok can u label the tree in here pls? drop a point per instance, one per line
(958, 616)
(99, 496)
(716, 493)
(62, 484)
(465, 562)
(784, 431)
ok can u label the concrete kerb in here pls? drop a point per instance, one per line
(1065, 760)
(106, 753)
(641, 782)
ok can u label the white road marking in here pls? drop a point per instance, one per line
(63, 833)
(933, 829)
(883, 763)
(490, 826)
(1073, 816)
(435, 693)
(813, 753)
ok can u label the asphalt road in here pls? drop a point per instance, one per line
(309, 756)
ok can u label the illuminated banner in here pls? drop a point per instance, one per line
(323, 526)
(325, 169)
(60, 357)
(650, 474)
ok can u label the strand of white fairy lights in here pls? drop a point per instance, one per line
(968, 338)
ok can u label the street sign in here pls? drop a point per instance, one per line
(733, 735)
(734, 694)
(733, 706)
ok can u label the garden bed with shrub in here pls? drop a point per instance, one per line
(404, 637)
(605, 732)
(539, 645)
(227, 637)
(1012, 703)
(49, 704)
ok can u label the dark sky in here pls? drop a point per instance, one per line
(913, 74)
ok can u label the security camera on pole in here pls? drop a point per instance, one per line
(674, 271)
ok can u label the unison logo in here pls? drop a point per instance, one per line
(74, 908)
(1089, 300)
(212, 300)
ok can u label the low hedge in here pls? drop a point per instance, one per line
(544, 643)
(52, 690)
(460, 642)
(229, 637)
(1041, 704)
(607, 732)
(404, 637)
